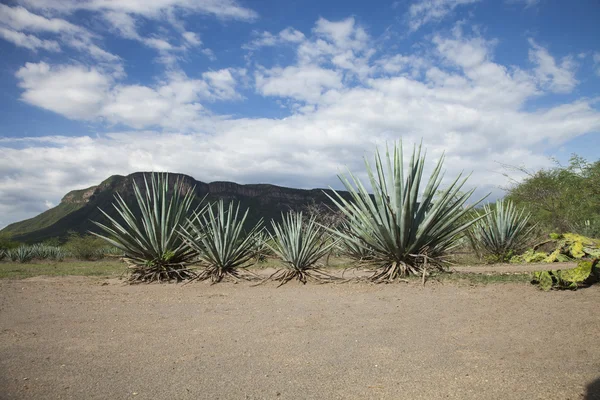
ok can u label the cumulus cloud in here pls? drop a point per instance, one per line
(307, 83)
(453, 95)
(74, 91)
(84, 93)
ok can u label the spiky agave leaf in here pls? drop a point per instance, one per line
(299, 244)
(502, 232)
(150, 241)
(218, 238)
(404, 231)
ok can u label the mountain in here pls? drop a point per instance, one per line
(79, 207)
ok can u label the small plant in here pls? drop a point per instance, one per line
(150, 242)
(403, 229)
(501, 233)
(299, 244)
(221, 246)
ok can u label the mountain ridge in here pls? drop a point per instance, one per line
(81, 206)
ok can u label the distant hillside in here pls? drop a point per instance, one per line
(79, 207)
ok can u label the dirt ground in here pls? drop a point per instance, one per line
(85, 338)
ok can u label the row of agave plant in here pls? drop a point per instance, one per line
(39, 251)
(402, 226)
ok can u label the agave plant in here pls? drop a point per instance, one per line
(221, 245)
(299, 244)
(403, 230)
(501, 233)
(150, 242)
(21, 254)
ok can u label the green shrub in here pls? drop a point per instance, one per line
(84, 247)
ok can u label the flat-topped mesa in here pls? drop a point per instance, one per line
(79, 208)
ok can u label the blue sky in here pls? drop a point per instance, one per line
(287, 92)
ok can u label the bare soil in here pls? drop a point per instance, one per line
(89, 338)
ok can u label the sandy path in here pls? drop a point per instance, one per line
(511, 268)
(71, 338)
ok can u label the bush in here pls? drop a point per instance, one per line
(84, 247)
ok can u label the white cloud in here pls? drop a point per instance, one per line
(526, 3)
(18, 20)
(30, 42)
(559, 78)
(452, 93)
(79, 92)
(597, 62)
(267, 39)
(425, 11)
(307, 83)
(73, 91)
(192, 38)
(227, 9)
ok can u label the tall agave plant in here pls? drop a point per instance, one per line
(150, 242)
(403, 227)
(299, 244)
(221, 245)
(502, 232)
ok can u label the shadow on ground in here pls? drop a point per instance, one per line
(593, 391)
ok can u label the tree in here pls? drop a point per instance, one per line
(563, 198)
